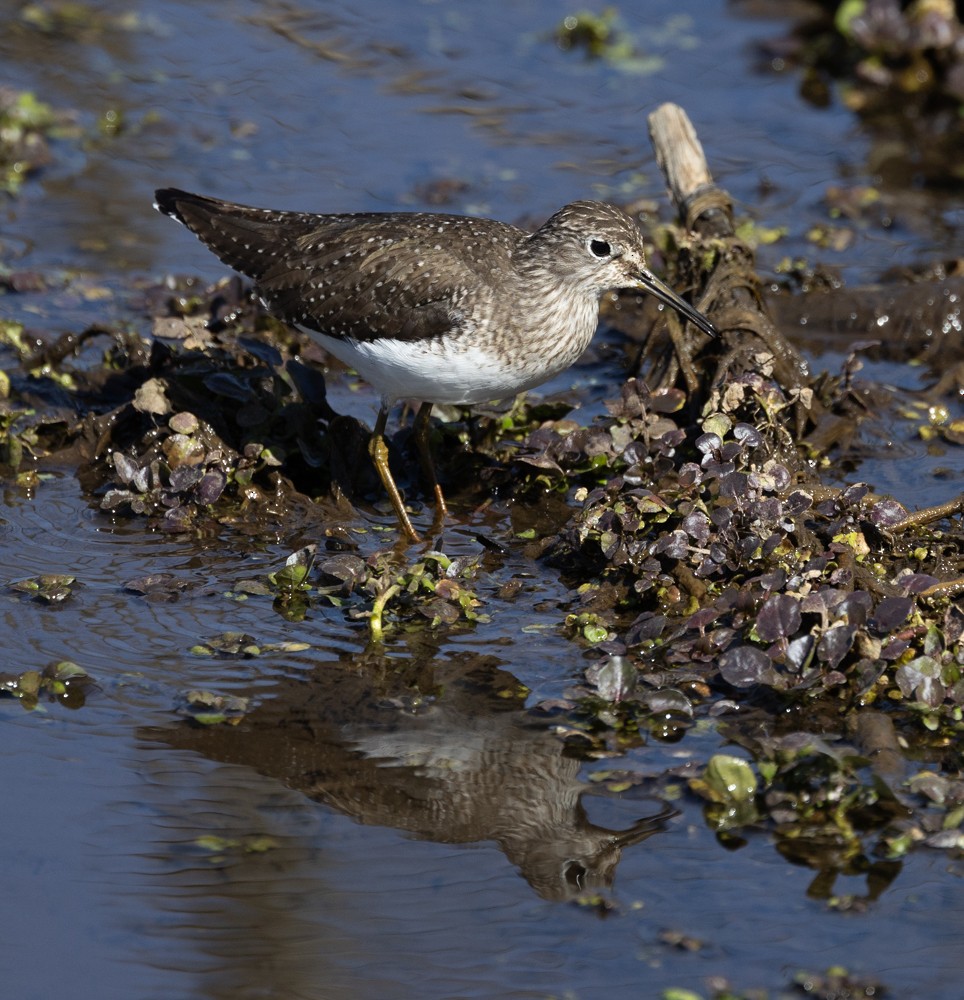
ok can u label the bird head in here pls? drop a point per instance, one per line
(598, 247)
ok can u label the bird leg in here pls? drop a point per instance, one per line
(420, 429)
(378, 451)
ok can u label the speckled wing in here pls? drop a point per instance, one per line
(364, 276)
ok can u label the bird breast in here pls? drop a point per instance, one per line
(484, 357)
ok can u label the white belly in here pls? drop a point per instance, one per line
(428, 371)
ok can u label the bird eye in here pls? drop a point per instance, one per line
(600, 248)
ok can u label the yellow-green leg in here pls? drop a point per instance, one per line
(378, 451)
(421, 429)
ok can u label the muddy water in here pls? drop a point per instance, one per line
(352, 838)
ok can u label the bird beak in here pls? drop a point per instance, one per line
(650, 283)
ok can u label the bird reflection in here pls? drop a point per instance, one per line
(439, 748)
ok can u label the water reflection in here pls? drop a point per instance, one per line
(439, 747)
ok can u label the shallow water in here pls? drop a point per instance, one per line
(367, 850)
(376, 845)
(110, 891)
(340, 107)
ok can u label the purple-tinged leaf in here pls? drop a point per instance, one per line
(891, 613)
(667, 401)
(646, 627)
(709, 443)
(141, 480)
(185, 476)
(778, 473)
(768, 510)
(115, 498)
(697, 526)
(748, 434)
(722, 517)
(717, 553)
(744, 666)
(914, 583)
(921, 679)
(798, 502)
(633, 454)
(953, 624)
(835, 643)
(855, 607)
(126, 467)
(675, 544)
(800, 652)
(886, 513)
(346, 568)
(854, 494)
(690, 474)
(702, 618)
(779, 618)
(734, 485)
(668, 701)
(773, 543)
(776, 580)
(894, 649)
(211, 486)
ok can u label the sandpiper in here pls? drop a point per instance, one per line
(436, 308)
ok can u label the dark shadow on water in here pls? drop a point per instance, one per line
(440, 748)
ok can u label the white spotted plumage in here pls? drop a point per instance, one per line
(438, 308)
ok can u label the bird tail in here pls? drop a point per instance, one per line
(245, 238)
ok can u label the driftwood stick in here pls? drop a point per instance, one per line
(731, 294)
(926, 515)
(678, 151)
(702, 206)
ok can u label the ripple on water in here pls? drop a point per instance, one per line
(113, 632)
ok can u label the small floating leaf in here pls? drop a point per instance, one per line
(614, 678)
(595, 633)
(51, 588)
(209, 709)
(731, 778)
(159, 586)
(228, 644)
(297, 566)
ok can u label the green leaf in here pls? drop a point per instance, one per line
(847, 12)
(731, 778)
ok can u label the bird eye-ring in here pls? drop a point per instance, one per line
(600, 248)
